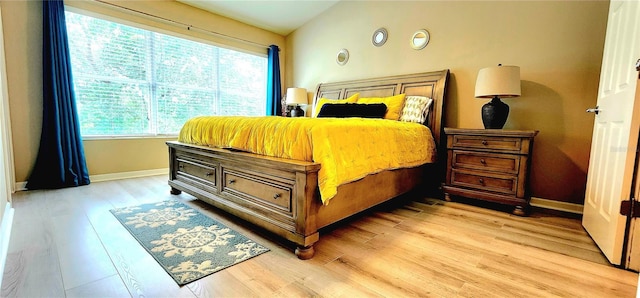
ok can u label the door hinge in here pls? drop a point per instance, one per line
(630, 208)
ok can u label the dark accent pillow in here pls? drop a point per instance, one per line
(345, 110)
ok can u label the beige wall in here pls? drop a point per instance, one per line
(557, 44)
(22, 24)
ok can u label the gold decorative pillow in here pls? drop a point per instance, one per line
(394, 104)
(416, 109)
(323, 101)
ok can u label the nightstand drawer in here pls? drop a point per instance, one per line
(504, 144)
(500, 163)
(497, 183)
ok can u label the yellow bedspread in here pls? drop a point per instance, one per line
(347, 148)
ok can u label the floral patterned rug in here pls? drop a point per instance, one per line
(185, 242)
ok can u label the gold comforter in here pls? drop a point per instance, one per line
(347, 148)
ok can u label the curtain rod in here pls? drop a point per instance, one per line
(189, 27)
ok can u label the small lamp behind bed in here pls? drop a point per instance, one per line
(297, 97)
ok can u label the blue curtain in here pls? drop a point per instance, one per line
(274, 89)
(60, 162)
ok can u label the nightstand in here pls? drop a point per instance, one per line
(490, 165)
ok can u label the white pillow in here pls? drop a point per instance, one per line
(416, 109)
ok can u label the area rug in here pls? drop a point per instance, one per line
(186, 243)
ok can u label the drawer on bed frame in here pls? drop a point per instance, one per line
(195, 171)
(265, 192)
(269, 195)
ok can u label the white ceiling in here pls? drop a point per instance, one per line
(281, 17)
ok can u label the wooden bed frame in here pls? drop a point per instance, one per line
(281, 195)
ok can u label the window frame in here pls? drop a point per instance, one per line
(160, 30)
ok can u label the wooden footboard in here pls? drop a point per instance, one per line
(279, 195)
(272, 193)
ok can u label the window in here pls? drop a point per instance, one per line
(134, 82)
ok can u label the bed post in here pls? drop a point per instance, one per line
(172, 170)
(308, 200)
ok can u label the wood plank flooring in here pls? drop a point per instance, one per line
(66, 243)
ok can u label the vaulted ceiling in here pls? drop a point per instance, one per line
(281, 17)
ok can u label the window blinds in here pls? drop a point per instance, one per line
(134, 82)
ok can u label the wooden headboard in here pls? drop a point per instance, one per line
(430, 84)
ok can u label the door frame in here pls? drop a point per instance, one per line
(631, 258)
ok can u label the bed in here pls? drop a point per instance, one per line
(281, 195)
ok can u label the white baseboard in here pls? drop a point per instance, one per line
(111, 176)
(127, 175)
(536, 202)
(5, 235)
(556, 205)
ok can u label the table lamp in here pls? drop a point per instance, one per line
(496, 82)
(297, 96)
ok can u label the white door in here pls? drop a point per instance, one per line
(613, 145)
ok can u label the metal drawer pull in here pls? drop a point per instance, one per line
(232, 181)
(481, 181)
(482, 161)
(484, 142)
(208, 174)
(276, 196)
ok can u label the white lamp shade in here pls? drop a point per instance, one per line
(297, 96)
(500, 81)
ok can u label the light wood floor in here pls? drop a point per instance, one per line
(67, 243)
